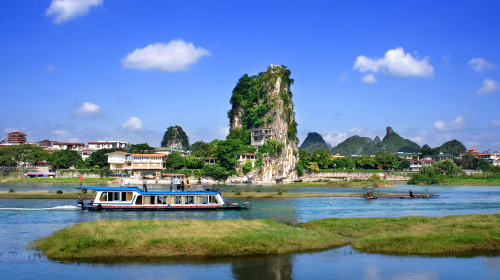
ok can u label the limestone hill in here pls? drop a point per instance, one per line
(313, 142)
(392, 143)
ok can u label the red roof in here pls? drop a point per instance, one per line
(16, 133)
(65, 143)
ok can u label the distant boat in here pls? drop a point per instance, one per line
(134, 199)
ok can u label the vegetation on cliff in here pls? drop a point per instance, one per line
(453, 147)
(313, 142)
(175, 137)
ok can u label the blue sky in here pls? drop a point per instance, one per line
(88, 70)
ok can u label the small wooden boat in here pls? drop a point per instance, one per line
(132, 198)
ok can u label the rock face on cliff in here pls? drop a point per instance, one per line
(175, 137)
(313, 142)
(265, 101)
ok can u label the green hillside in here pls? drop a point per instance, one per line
(391, 143)
(313, 142)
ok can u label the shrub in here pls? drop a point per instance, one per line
(59, 192)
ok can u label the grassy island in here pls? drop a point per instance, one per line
(72, 180)
(342, 184)
(44, 195)
(469, 234)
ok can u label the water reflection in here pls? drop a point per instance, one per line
(263, 267)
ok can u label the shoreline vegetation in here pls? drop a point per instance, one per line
(71, 180)
(449, 235)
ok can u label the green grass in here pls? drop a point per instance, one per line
(342, 184)
(350, 170)
(469, 234)
(474, 181)
(451, 235)
(59, 180)
(170, 238)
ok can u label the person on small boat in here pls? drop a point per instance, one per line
(411, 193)
(144, 182)
(182, 184)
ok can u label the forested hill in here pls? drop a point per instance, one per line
(392, 143)
(313, 142)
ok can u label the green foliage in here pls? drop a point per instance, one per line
(258, 163)
(99, 159)
(271, 147)
(344, 163)
(201, 149)
(472, 162)
(140, 148)
(247, 167)
(228, 152)
(453, 147)
(175, 134)
(216, 171)
(175, 161)
(321, 157)
(404, 164)
(365, 162)
(59, 192)
(313, 166)
(241, 134)
(66, 159)
(20, 154)
(193, 162)
(437, 173)
(386, 159)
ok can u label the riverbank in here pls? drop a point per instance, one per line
(44, 195)
(73, 180)
(241, 194)
(342, 184)
(456, 235)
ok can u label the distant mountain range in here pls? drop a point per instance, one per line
(356, 145)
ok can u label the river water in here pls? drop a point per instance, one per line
(24, 220)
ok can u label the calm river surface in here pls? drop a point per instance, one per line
(24, 220)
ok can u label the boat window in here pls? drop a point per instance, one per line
(199, 199)
(138, 201)
(153, 199)
(189, 199)
(213, 199)
(129, 196)
(178, 199)
(116, 196)
(147, 199)
(104, 196)
(172, 200)
(161, 199)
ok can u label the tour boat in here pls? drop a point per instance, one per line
(133, 198)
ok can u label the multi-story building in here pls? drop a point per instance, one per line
(260, 135)
(168, 151)
(121, 161)
(107, 145)
(67, 146)
(416, 164)
(16, 138)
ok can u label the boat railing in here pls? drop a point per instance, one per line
(178, 187)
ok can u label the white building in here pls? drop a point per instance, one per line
(107, 145)
(260, 135)
(121, 161)
(67, 146)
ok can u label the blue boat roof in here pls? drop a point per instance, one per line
(124, 189)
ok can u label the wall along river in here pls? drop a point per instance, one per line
(22, 220)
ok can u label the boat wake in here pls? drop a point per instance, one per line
(65, 207)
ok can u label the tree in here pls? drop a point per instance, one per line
(447, 167)
(404, 164)
(66, 159)
(99, 157)
(25, 154)
(193, 162)
(242, 134)
(141, 148)
(228, 152)
(387, 159)
(321, 157)
(200, 149)
(247, 167)
(175, 137)
(7, 156)
(175, 161)
(365, 162)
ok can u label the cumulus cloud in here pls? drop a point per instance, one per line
(369, 79)
(458, 123)
(472, 144)
(480, 64)
(177, 55)
(88, 109)
(64, 10)
(334, 138)
(60, 132)
(222, 131)
(495, 122)
(132, 124)
(489, 86)
(396, 63)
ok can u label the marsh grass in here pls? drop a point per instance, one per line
(171, 238)
(470, 234)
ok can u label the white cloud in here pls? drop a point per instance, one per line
(50, 68)
(64, 10)
(369, 79)
(88, 109)
(357, 131)
(132, 124)
(480, 64)
(458, 123)
(334, 138)
(396, 63)
(488, 87)
(445, 60)
(60, 132)
(222, 132)
(472, 144)
(418, 139)
(495, 122)
(74, 140)
(177, 55)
